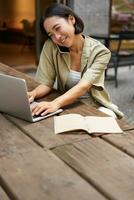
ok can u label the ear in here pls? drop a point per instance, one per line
(72, 19)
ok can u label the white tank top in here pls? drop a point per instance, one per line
(73, 78)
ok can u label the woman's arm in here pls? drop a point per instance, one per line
(38, 92)
(69, 97)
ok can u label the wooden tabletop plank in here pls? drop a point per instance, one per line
(107, 168)
(43, 131)
(125, 141)
(12, 140)
(38, 174)
(3, 195)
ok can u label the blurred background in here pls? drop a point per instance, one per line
(20, 32)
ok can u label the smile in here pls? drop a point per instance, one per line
(63, 40)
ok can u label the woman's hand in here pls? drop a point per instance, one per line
(38, 92)
(31, 96)
(44, 108)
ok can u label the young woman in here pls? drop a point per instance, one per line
(76, 61)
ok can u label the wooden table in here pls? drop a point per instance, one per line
(36, 164)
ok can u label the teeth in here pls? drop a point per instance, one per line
(63, 40)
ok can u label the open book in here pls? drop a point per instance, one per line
(91, 124)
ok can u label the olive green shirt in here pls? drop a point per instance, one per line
(55, 64)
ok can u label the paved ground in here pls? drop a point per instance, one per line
(121, 96)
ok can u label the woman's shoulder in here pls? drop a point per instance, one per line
(49, 44)
(96, 45)
(49, 48)
(95, 48)
(93, 42)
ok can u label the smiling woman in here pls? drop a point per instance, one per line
(78, 62)
(56, 29)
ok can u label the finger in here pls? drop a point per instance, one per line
(39, 110)
(31, 99)
(47, 112)
(34, 109)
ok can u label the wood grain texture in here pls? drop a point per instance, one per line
(43, 131)
(12, 140)
(41, 175)
(104, 166)
(125, 142)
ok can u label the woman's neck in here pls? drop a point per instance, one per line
(77, 44)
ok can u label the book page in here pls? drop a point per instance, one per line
(102, 124)
(69, 122)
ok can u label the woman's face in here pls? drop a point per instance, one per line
(60, 30)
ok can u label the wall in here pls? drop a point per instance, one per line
(95, 14)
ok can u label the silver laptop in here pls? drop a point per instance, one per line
(14, 100)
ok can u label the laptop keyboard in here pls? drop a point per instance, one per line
(35, 116)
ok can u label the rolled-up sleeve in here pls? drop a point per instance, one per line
(46, 72)
(95, 70)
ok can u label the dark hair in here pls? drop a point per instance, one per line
(63, 11)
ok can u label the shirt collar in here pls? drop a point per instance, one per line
(86, 52)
